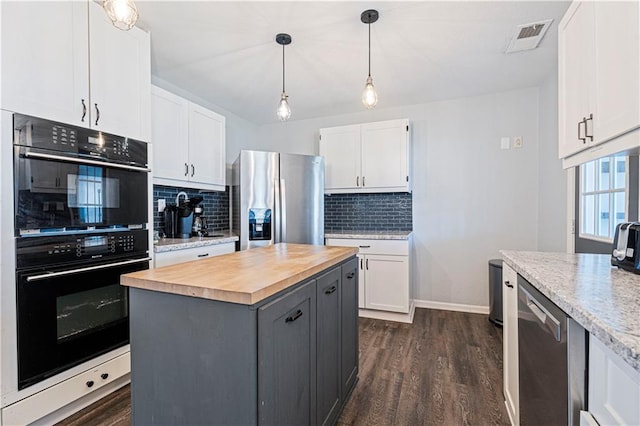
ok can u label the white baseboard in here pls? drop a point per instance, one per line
(457, 307)
(390, 316)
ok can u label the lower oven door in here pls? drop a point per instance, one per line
(66, 317)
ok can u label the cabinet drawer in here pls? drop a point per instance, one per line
(390, 247)
(42, 403)
(196, 253)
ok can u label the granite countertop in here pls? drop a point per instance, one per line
(172, 244)
(369, 235)
(245, 277)
(603, 299)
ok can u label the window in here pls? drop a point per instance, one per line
(603, 195)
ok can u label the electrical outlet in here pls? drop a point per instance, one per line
(505, 142)
(162, 204)
(517, 141)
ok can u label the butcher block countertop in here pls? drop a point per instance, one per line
(245, 277)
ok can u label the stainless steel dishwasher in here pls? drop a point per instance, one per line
(552, 361)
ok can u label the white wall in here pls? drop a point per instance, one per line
(470, 197)
(552, 190)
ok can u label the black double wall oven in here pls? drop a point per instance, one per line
(81, 220)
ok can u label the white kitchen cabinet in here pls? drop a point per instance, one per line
(371, 157)
(614, 387)
(383, 280)
(598, 89)
(189, 143)
(75, 67)
(120, 77)
(196, 253)
(510, 342)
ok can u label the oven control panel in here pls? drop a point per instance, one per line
(50, 135)
(44, 250)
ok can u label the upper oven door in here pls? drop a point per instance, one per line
(52, 191)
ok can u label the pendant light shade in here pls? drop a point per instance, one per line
(123, 13)
(369, 95)
(283, 112)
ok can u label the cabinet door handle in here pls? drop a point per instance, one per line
(508, 284)
(104, 376)
(361, 264)
(97, 114)
(84, 110)
(580, 123)
(330, 290)
(586, 127)
(358, 181)
(293, 317)
(350, 275)
(186, 169)
(203, 255)
(363, 181)
(193, 170)
(367, 264)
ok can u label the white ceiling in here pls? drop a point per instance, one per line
(225, 52)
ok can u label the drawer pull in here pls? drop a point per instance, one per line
(104, 376)
(351, 275)
(292, 318)
(364, 246)
(203, 255)
(90, 383)
(331, 290)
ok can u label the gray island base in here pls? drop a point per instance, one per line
(291, 358)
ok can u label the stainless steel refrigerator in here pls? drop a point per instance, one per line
(277, 198)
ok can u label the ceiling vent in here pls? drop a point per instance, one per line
(528, 36)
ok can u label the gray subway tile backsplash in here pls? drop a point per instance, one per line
(216, 206)
(368, 212)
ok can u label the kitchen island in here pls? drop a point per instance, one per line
(266, 336)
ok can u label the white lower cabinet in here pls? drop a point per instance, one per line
(614, 387)
(383, 281)
(510, 341)
(196, 253)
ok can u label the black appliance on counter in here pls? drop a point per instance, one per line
(178, 218)
(81, 220)
(626, 247)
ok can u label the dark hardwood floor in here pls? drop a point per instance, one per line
(444, 369)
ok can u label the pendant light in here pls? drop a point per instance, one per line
(283, 112)
(369, 95)
(123, 13)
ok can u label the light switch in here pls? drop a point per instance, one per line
(162, 204)
(504, 143)
(517, 141)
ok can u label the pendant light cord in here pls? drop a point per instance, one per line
(369, 25)
(283, 68)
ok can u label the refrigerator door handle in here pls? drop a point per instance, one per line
(278, 219)
(283, 211)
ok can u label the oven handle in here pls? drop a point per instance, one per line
(87, 269)
(83, 161)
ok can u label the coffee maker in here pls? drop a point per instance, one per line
(199, 228)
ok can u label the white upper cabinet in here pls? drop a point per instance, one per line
(120, 77)
(371, 157)
(45, 71)
(340, 147)
(188, 143)
(72, 60)
(598, 90)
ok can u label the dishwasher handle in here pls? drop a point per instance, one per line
(543, 315)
